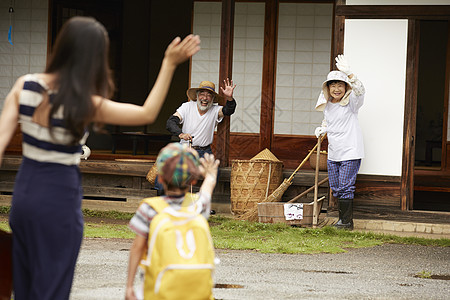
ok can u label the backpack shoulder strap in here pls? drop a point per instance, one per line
(190, 203)
(157, 203)
(190, 199)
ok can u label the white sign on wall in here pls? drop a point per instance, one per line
(376, 51)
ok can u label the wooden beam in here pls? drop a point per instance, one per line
(431, 178)
(225, 71)
(338, 35)
(393, 11)
(135, 167)
(268, 75)
(432, 189)
(409, 127)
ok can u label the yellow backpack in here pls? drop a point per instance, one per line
(180, 258)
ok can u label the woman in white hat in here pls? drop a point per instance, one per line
(340, 100)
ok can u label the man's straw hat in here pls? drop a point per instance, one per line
(204, 85)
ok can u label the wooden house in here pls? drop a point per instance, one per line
(278, 53)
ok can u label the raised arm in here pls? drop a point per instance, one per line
(208, 168)
(111, 112)
(230, 105)
(343, 66)
(10, 116)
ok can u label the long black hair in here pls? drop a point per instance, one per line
(80, 62)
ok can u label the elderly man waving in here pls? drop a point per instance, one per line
(200, 116)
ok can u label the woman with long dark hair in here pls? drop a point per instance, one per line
(55, 109)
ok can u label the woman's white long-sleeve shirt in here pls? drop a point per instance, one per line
(345, 138)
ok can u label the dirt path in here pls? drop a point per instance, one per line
(381, 272)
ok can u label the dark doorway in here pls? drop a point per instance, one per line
(139, 33)
(108, 13)
(431, 93)
(431, 183)
(431, 200)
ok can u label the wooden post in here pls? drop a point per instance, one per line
(338, 35)
(409, 126)
(225, 71)
(268, 75)
(316, 185)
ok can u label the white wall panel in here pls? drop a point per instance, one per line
(28, 53)
(248, 47)
(376, 50)
(303, 62)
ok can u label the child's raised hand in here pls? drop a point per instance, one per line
(209, 166)
(179, 50)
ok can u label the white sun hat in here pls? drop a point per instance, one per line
(325, 95)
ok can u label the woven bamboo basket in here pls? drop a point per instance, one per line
(151, 175)
(322, 160)
(252, 181)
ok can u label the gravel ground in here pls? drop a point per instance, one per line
(381, 272)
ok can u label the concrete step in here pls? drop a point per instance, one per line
(398, 228)
(389, 227)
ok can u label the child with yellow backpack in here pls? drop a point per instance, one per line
(173, 243)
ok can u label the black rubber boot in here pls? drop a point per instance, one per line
(345, 214)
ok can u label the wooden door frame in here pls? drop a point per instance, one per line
(445, 148)
(410, 113)
(413, 13)
(266, 133)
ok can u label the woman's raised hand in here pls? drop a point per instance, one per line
(179, 50)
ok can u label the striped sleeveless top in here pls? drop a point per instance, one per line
(38, 143)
